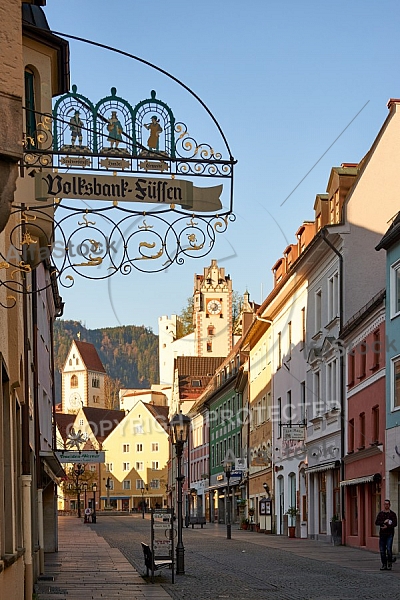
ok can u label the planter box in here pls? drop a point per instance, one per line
(336, 533)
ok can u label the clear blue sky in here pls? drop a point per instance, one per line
(283, 78)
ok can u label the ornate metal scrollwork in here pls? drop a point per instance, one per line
(96, 145)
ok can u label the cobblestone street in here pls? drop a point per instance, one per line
(251, 566)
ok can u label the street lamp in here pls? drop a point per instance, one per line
(145, 487)
(85, 486)
(94, 488)
(78, 471)
(179, 428)
(228, 472)
(266, 488)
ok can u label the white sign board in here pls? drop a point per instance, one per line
(84, 456)
(294, 433)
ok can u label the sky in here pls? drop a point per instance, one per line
(297, 87)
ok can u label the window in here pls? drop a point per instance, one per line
(155, 484)
(154, 447)
(109, 467)
(303, 402)
(30, 116)
(279, 418)
(155, 465)
(126, 484)
(139, 447)
(139, 484)
(290, 338)
(350, 368)
(331, 385)
(110, 483)
(95, 382)
(361, 440)
(74, 381)
(196, 383)
(209, 347)
(81, 422)
(318, 404)
(138, 429)
(333, 297)
(289, 407)
(210, 330)
(70, 362)
(375, 425)
(139, 466)
(396, 383)
(318, 311)
(350, 437)
(376, 350)
(279, 350)
(362, 362)
(125, 448)
(303, 328)
(126, 466)
(395, 289)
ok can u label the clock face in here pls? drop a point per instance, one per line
(214, 307)
(75, 400)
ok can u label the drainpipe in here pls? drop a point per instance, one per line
(341, 358)
(39, 479)
(26, 452)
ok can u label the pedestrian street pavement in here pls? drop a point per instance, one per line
(87, 567)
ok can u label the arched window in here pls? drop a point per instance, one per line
(74, 381)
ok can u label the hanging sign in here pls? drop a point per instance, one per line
(127, 189)
(294, 433)
(82, 456)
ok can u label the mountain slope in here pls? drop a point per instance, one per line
(129, 353)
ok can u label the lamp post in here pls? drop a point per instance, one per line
(94, 488)
(179, 427)
(144, 488)
(228, 471)
(79, 469)
(85, 486)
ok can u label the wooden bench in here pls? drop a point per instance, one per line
(197, 521)
(155, 565)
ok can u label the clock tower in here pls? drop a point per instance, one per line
(212, 312)
(83, 378)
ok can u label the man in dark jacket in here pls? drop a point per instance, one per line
(387, 521)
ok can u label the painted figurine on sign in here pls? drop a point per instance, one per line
(75, 125)
(114, 128)
(155, 129)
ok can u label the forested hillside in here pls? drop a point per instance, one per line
(129, 353)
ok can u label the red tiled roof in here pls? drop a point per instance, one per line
(64, 422)
(103, 420)
(89, 356)
(160, 413)
(198, 365)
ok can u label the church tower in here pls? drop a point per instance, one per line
(82, 378)
(212, 312)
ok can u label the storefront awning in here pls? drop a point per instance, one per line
(52, 466)
(357, 480)
(319, 468)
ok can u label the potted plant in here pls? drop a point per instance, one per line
(336, 530)
(292, 512)
(244, 524)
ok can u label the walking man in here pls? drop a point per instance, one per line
(387, 521)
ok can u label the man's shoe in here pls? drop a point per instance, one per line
(389, 566)
(394, 559)
(383, 568)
